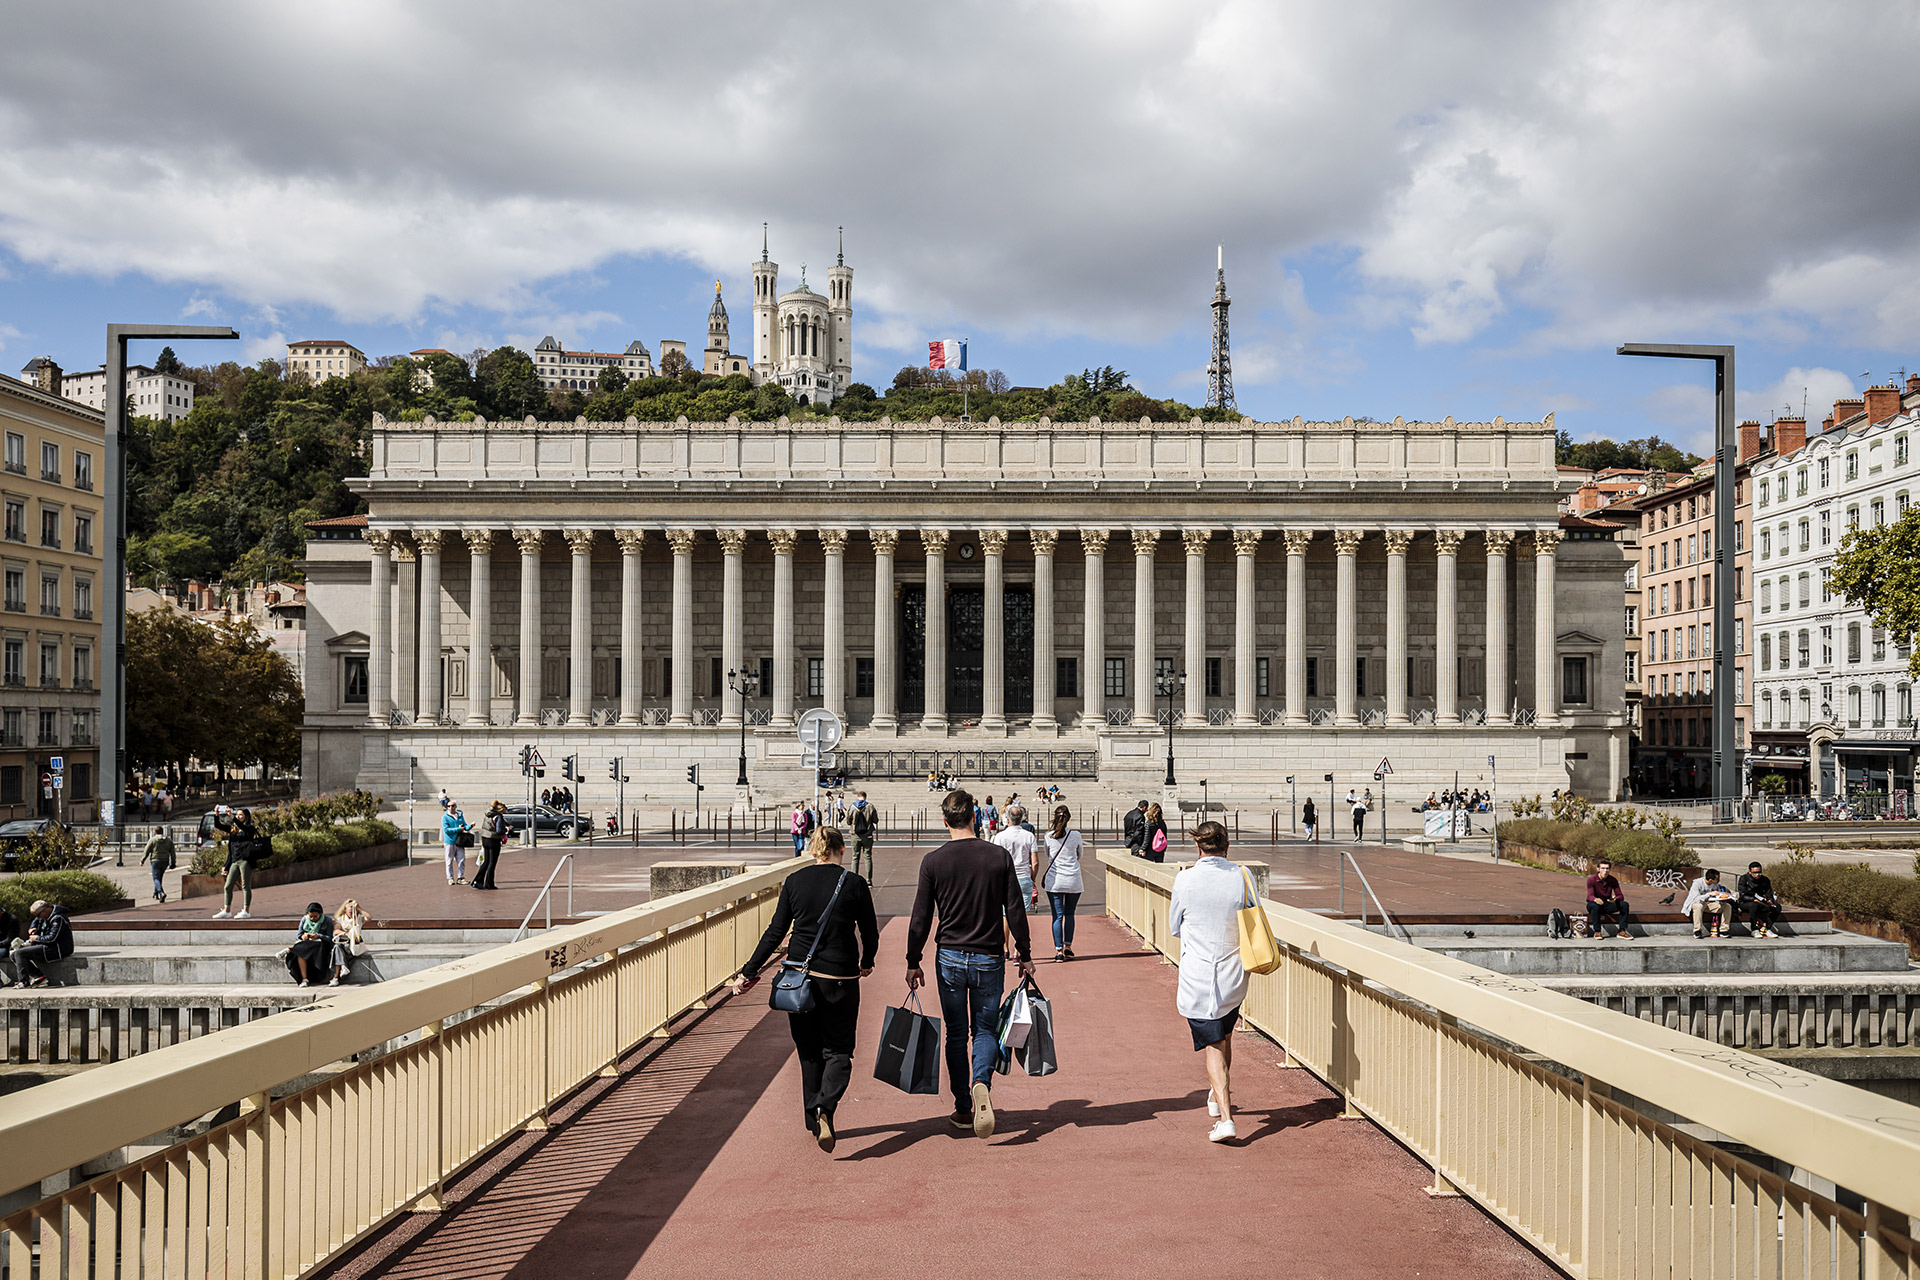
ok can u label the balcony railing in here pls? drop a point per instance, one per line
(51, 477)
(17, 468)
(49, 682)
(83, 684)
(14, 680)
(83, 615)
(49, 610)
(17, 606)
(16, 533)
(51, 543)
(83, 483)
(82, 738)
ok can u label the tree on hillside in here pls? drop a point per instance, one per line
(510, 385)
(611, 379)
(673, 364)
(221, 695)
(168, 363)
(1879, 571)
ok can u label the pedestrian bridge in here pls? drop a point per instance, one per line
(583, 1104)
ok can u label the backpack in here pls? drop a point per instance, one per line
(863, 820)
(1160, 841)
(1558, 926)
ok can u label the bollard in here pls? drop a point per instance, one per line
(633, 827)
(729, 828)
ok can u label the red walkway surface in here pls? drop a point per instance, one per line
(696, 1164)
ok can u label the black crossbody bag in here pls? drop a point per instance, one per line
(793, 986)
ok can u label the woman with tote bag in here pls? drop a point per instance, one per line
(1205, 916)
(1061, 880)
(830, 911)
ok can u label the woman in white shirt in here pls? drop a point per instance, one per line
(1204, 915)
(1062, 880)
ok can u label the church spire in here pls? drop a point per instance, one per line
(841, 257)
(763, 242)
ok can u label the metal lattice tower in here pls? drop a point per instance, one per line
(1220, 365)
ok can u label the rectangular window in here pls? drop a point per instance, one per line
(82, 598)
(10, 780)
(816, 677)
(863, 677)
(1066, 677)
(1573, 681)
(1693, 549)
(50, 462)
(82, 666)
(1853, 642)
(16, 521)
(1739, 635)
(1162, 671)
(1359, 676)
(1261, 687)
(16, 590)
(1214, 677)
(83, 535)
(49, 728)
(1706, 591)
(16, 453)
(83, 471)
(1633, 668)
(763, 674)
(1116, 677)
(15, 662)
(49, 666)
(353, 679)
(50, 527)
(1739, 535)
(716, 677)
(50, 595)
(1313, 677)
(1826, 646)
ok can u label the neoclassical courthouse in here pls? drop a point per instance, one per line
(998, 598)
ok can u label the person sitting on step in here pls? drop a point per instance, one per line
(1708, 897)
(1605, 899)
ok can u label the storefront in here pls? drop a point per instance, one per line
(1876, 773)
(1785, 754)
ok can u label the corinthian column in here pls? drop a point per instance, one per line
(1246, 544)
(993, 648)
(1043, 543)
(380, 641)
(1446, 627)
(733, 621)
(1499, 696)
(632, 544)
(580, 629)
(1195, 541)
(406, 664)
(1346, 624)
(682, 541)
(429, 541)
(935, 664)
(1546, 692)
(834, 621)
(885, 645)
(529, 540)
(1093, 639)
(782, 541)
(1144, 543)
(1397, 543)
(479, 626)
(1297, 542)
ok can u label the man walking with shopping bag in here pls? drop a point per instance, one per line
(971, 887)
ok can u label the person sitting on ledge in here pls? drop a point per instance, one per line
(312, 950)
(1605, 899)
(1757, 896)
(1707, 896)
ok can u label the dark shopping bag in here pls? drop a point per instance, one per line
(1036, 1055)
(909, 1057)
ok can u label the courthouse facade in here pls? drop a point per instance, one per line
(1003, 599)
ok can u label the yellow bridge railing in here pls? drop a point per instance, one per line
(296, 1178)
(1453, 1060)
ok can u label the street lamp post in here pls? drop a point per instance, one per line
(1171, 684)
(746, 684)
(112, 769)
(1726, 459)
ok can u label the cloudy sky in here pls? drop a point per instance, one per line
(1428, 209)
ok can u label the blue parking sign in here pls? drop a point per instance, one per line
(57, 764)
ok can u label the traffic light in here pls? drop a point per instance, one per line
(570, 769)
(528, 769)
(693, 774)
(613, 768)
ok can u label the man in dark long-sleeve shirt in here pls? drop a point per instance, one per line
(1605, 900)
(971, 886)
(1755, 891)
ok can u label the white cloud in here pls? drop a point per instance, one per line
(1813, 390)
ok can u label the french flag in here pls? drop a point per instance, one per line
(947, 355)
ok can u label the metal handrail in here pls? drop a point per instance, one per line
(1345, 858)
(546, 892)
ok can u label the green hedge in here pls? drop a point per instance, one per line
(1853, 891)
(303, 846)
(75, 890)
(1648, 850)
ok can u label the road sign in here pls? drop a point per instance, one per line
(819, 731)
(106, 813)
(46, 779)
(57, 764)
(1489, 762)
(535, 759)
(1386, 767)
(59, 781)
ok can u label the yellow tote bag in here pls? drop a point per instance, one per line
(1259, 951)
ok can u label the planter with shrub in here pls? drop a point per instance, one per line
(1571, 833)
(78, 892)
(1860, 898)
(312, 853)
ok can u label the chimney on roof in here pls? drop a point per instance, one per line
(1844, 409)
(1883, 402)
(1913, 385)
(1789, 435)
(1749, 440)
(47, 376)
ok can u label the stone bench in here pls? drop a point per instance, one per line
(1418, 844)
(665, 879)
(60, 973)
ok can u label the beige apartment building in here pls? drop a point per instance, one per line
(321, 358)
(1676, 621)
(50, 572)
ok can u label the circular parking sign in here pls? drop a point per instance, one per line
(819, 730)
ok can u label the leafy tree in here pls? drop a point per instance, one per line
(452, 380)
(168, 363)
(674, 363)
(510, 385)
(611, 380)
(219, 694)
(1879, 571)
(171, 558)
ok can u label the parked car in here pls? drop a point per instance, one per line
(568, 826)
(20, 832)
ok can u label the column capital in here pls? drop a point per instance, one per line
(580, 541)
(1499, 541)
(379, 541)
(935, 541)
(529, 540)
(1145, 540)
(1347, 541)
(783, 541)
(834, 540)
(732, 541)
(631, 541)
(1196, 540)
(1522, 550)
(429, 540)
(404, 551)
(993, 541)
(1043, 540)
(1093, 541)
(1547, 541)
(884, 540)
(683, 541)
(479, 541)
(1297, 540)
(1247, 541)
(1447, 541)
(1398, 540)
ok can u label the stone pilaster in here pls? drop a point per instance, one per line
(1145, 542)
(733, 620)
(633, 544)
(1298, 540)
(886, 713)
(380, 623)
(1499, 690)
(1093, 643)
(934, 542)
(530, 542)
(1195, 631)
(783, 542)
(1446, 627)
(993, 649)
(479, 625)
(682, 541)
(834, 621)
(1246, 545)
(1346, 624)
(1398, 540)
(1044, 541)
(580, 629)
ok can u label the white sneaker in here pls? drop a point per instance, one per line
(1222, 1131)
(243, 915)
(223, 915)
(1213, 1107)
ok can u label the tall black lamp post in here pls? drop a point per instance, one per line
(1170, 685)
(747, 685)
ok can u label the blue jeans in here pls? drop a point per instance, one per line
(159, 882)
(971, 986)
(1063, 905)
(799, 844)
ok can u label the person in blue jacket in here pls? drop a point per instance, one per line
(452, 827)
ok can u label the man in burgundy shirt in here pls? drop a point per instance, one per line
(1604, 899)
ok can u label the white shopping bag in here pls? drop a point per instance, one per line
(1019, 1020)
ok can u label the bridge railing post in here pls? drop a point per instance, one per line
(1343, 1054)
(1442, 1039)
(433, 1198)
(259, 1242)
(543, 1030)
(1593, 1173)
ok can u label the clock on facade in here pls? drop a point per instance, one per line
(966, 551)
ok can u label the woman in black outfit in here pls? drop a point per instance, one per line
(494, 825)
(823, 1036)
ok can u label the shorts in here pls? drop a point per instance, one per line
(1208, 1031)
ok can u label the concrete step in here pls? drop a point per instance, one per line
(1833, 952)
(175, 965)
(1808, 925)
